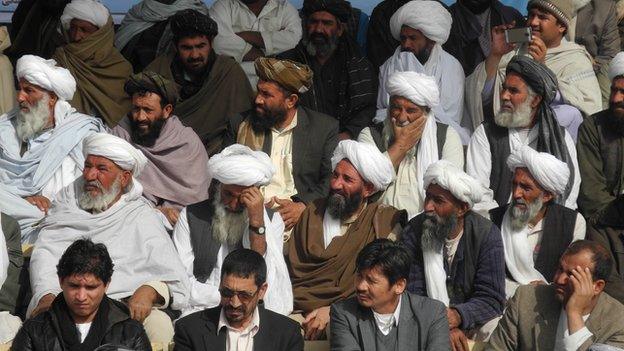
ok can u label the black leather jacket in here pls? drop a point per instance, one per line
(42, 333)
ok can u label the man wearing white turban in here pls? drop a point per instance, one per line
(332, 230)
(40, 141)
(233, 217)
(530, 257)
(412, 139)
(105, 205)
(458, 254)
(422, 26)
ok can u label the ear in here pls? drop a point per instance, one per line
(341, 28)
(400, 286)
(548, 196)
(262, 290)
(291, 101)
(537, 99)
(369, 189)
(167, 110)
(52, 101)
(561, 28)
(126, 178)
(599, 286)
(462, 209)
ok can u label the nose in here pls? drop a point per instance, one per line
(235, 301)
(533, 21)
(517, 192)
(259, 100)
(429, 205)
(360, 285)
(21, 96)
(89, 173)
(505, 95)
(617, 97)
(81, 295)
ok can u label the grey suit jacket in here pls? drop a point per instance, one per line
(422, 325)
(314, 139)
(532, 316)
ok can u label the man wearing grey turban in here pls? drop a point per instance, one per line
(525, 118)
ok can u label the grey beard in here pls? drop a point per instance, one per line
(31, 123)
(435, 231)
(519, 118)
(227, 226)
(323, 50)
(521, 217)
(101, 202)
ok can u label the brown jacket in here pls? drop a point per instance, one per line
(597, 30)
(532, 316)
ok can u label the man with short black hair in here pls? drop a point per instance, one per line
(571, 314)
(383, 315)
(239, 323)
(82, 317)
(212, 87)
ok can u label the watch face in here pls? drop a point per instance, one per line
(261, 230)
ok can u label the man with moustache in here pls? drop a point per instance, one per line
(299, 141)
(83, 316)
(106, 206)
(573, 313)
(525, 118)
(333, 229)
(40, 141)
(458, 255)
(600, 151)
(241, 321)
(233, 217)
(211, 87)
(577, 88)
(422, 27)
(383, 315)
(470, 40)
(344, 83)
(536, 228)
(175, 175)
(249, 29)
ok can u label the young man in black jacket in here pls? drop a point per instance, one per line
(82, 317)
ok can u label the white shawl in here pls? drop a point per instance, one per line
(435, 276)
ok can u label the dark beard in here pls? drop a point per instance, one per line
(320, 45)
(149, 138)
(271, 118)
(435, 231)
(616, 119)
(340, 206)
(422, 56)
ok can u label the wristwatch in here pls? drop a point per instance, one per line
(258, 230)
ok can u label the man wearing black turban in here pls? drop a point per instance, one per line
(211, 87)
(525, 118)
(345, 83)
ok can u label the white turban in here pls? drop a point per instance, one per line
(239, 165)
(121, 152)
(450, 177)
(46, 74)
(419, 88)
(87, 10)
(372, 165)
(429, 17)
(616, 67)
(551, 173)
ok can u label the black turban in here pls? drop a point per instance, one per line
(154, 83)
(339, 8)
(192, 21)
(551, 136)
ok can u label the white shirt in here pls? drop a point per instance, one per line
(278, 23)
(278, 298)
(282, 184)
(385, 322)
(240, 340)
(83, 330)
(479, 159)
(566, 342)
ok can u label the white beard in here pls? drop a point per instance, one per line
(101, 202)
(520, 117)
(521, 217)
(29, 124)
(227, 227)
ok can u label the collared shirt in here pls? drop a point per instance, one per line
(566, 342)
(450, 248)
(83, 330)
(385, 322)
(240, 340)
(282, 184)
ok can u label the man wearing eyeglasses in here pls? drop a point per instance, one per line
(239, 323)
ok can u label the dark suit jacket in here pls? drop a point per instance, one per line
(422, 325)
(198, 331)
(314, 139)
(612, 238)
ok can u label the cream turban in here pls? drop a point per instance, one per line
(616, 67)
(419, 88)
(450, 177)
(91, 11)
(371, 164)
(46, 74)
(551, 173)
(115, 149)
(239, 165)
(429, 17)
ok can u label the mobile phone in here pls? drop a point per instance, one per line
(518, 35)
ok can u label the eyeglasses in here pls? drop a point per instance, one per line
(243, 296)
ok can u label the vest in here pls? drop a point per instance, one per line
(558, 232)
(205, 247)
(376, 133)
